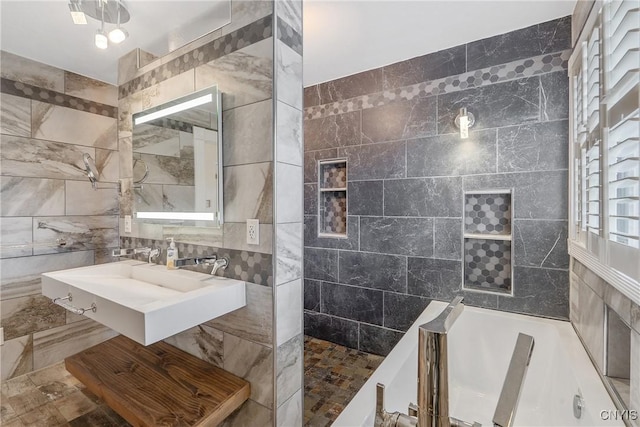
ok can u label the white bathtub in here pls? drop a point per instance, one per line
(480, 346)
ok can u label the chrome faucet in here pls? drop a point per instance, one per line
(433, 369)
(129, 251)
(185, 262)
(221, 263)
(211, 260)
(432, 409)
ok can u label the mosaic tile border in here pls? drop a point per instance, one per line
(250, 34)
(248, 266)
(528, 67)
(289, 36)
(36, 93)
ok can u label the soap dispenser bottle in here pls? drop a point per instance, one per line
(172, 254)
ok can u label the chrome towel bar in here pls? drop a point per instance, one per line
(75, 310)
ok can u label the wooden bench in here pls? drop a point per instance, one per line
(158, 385)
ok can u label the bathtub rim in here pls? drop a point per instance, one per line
(591, 384)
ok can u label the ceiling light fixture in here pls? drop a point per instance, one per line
(101, 38)
(77, 14)
(106, 12)
(118, 35)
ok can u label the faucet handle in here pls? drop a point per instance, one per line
(413, 410)
(380, 412)
(154, 253)
(220, 263)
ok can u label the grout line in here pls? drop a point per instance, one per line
(453, 177)
(378, 254)
(466, 57)
(406, 159)
(433, 238)
(497, 150)
(406, 275)
(383, 304)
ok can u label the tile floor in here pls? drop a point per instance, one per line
(333, 374)
(52, 397)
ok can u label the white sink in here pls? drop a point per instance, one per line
(145, 302)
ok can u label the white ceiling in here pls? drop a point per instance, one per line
(340, 37)
(345, 37)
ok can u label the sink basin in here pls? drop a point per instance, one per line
(145, 302)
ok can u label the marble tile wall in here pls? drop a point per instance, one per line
(590, 296)
(261, 342)
(49, 117)
(409, 169)
(288, 216)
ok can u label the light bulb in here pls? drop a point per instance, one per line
(77, 14)
(101, 40)
(117, 35)
(464, 127)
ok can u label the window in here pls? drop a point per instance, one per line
(622, 50)
(605, 73)
(592, 144)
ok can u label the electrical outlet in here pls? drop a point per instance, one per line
(127, 223)
(253, 232)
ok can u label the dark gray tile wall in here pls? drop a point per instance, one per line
(409, 170)
(531, 41)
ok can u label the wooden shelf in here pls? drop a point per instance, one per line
(158, 384)
(487, 236)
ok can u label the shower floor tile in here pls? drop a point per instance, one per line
(333, 374)
(52, 397)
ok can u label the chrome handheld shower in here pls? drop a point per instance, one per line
(92, 171)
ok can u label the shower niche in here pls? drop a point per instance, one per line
(332, 198)
(487, 241)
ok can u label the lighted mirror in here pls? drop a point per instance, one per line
(177, 161)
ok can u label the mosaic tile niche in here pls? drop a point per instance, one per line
(332, 176)
(487, 242)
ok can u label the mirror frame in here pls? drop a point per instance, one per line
(174, 105)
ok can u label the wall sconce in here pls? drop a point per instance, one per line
(464, 120)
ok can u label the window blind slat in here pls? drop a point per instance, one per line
(629, 61)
